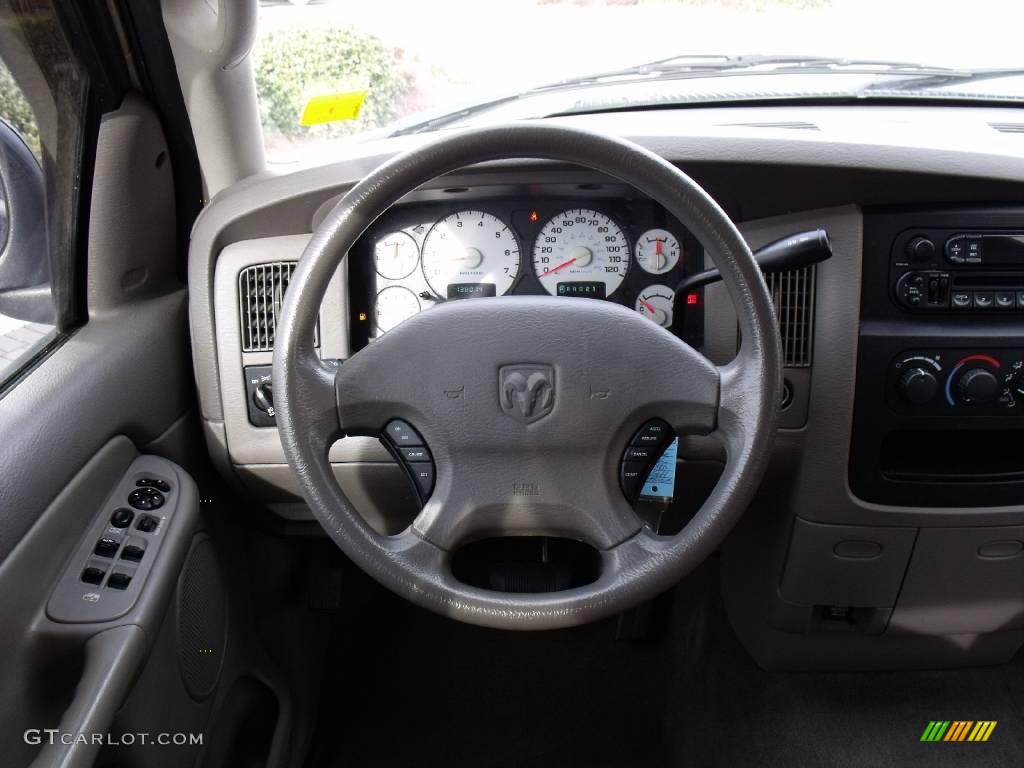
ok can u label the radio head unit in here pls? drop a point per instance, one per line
(958, 271)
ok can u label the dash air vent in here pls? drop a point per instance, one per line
(790, 125)
(261, 290)
(1008, 127)
(793, 296)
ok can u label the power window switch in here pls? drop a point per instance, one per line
(132, 552)
(119, 580)
(93, 575)
(106, 547)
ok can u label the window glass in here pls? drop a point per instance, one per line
(41, 97)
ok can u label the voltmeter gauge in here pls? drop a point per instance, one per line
(655, 303)
(395, 304)
(396, 256)
(657, 251)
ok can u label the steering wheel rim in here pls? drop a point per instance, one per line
(316, 404)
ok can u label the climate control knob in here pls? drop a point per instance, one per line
(918, 385)
(978, 386)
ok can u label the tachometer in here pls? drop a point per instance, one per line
(470, 253)
(581, 248)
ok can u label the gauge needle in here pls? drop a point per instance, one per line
(647, 305)
(560, 266)
(657, 247)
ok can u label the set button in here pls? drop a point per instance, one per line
(411, 450)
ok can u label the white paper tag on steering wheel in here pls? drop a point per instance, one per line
(661, 482)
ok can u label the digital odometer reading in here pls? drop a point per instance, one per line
(590, 290)
(581, 246)
(470, 290)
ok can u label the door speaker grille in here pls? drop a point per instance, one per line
(202, 619)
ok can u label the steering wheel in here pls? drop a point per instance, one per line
(604, 372)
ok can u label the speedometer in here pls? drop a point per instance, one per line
(581, 253)
(470, 253)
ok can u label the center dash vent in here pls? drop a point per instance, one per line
(793, 296)
(261, 290)
(1008, 127)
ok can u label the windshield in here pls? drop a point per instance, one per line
(394, 66)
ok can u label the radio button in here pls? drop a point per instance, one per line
(955, 249)
(983, 300)
(963, 300)
(1005, 299)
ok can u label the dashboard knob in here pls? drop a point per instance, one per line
(978, 386)
(921, 249)
(918, 385)
(264, 397)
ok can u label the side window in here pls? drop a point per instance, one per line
(41, 100)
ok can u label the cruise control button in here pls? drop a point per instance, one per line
(93, 575)
(632, 474)
(654, 433)
(119, 580)
(122, 518)
(423, 474)
(106, 547)
(644, 453)
(414, 454)
(400, 433)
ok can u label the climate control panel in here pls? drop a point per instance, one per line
(958, 382)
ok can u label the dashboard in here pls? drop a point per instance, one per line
(897, 459)
(619, 249)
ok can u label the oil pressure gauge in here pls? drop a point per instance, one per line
(657, 251)
(655, 303)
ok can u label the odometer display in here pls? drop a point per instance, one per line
(581, 246)
(589, 290)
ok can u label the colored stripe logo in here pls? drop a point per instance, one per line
(958, 730)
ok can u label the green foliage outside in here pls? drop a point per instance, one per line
(296, 63)
(15, 110)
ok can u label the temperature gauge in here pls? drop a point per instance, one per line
(396, 256)
(657, 251)
(655, 302)
(395, 304)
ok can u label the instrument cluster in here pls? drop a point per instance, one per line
(624, 250)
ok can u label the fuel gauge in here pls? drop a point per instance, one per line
(655, 302)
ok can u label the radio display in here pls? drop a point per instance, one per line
(588, 289)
